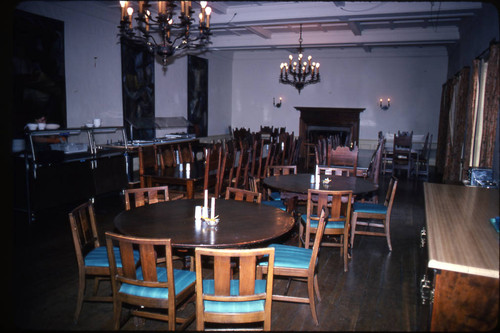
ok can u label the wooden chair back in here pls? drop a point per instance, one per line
(275, 170)
(213, 160)
(336, 171)
(185, 153)
(84, 231)
(148, 161)
(243, 195)
(137, 197)
(390, 195)
(220, 285)
(146, 273)
(226, 171)
(401, 158)
(167, 156)
(343, 156)
(339, 204)
(373, 171)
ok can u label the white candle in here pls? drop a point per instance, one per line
(205, 203)
(212, 209)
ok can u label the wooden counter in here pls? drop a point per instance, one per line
(460, 235)
(463, 250)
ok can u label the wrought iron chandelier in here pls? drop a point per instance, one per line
(172, 36)
(298, 73)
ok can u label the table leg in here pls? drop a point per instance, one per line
(190, 189)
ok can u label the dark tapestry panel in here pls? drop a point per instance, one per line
(138, 91)
(447, 93)
(198, 95)
(491, 104)
(470, 124)
(38, 71)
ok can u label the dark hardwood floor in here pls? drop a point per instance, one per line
(378, 293)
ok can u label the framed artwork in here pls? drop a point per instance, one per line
(39, 88)
(197, 113)
(138, 91)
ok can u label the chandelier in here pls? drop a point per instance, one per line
(170, 31)
(298, 73)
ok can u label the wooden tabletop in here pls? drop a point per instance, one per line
(460, 235)
(301, 183)
(241, 223)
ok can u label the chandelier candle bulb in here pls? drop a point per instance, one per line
(130, 11)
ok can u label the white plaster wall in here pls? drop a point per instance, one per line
(411, 77)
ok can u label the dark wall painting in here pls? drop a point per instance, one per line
(38, 71)
(198, 95)
(138, 91)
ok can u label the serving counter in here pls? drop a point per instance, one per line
(463, 253)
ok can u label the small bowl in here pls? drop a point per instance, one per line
(210, 222)
(32, 126)
(52, 126)
(89, 125)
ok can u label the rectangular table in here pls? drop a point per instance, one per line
(463, 251)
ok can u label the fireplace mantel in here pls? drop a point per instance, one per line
(329, 116)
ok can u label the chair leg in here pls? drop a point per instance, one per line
(316, 287)
(387, 232)
(353, 228)
(81, 293)
(117, 310)
(312, 304)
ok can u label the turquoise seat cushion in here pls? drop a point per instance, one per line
(182, 280)
(275, 196)
(234, 307)
(290, 256)
(98, 257)
(329, 224)
(275, 203)
(365, 207)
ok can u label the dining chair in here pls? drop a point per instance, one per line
(254, 187)
(211, 176)
(339, 204)
(137, 197)
(242, 166)
(298, 262)
(147, 284)
(243, 195)
(222, 299)
(276, 170)
(402, 153)
(373, 172)
(226, 170)
(422, 163)
(91, 257)
(381, 213)
(148, 162)
(343, 156)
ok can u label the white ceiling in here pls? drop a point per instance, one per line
(250, 25)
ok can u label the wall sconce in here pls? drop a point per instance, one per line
(385, 107)
(278, 105)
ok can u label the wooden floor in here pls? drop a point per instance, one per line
(378, 293)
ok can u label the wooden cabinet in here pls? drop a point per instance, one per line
(463, 253)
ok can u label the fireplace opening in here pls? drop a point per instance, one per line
(342, 134)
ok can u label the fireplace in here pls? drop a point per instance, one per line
(324, 121)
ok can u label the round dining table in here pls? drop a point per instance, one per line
(299, 184)
(241, 223)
